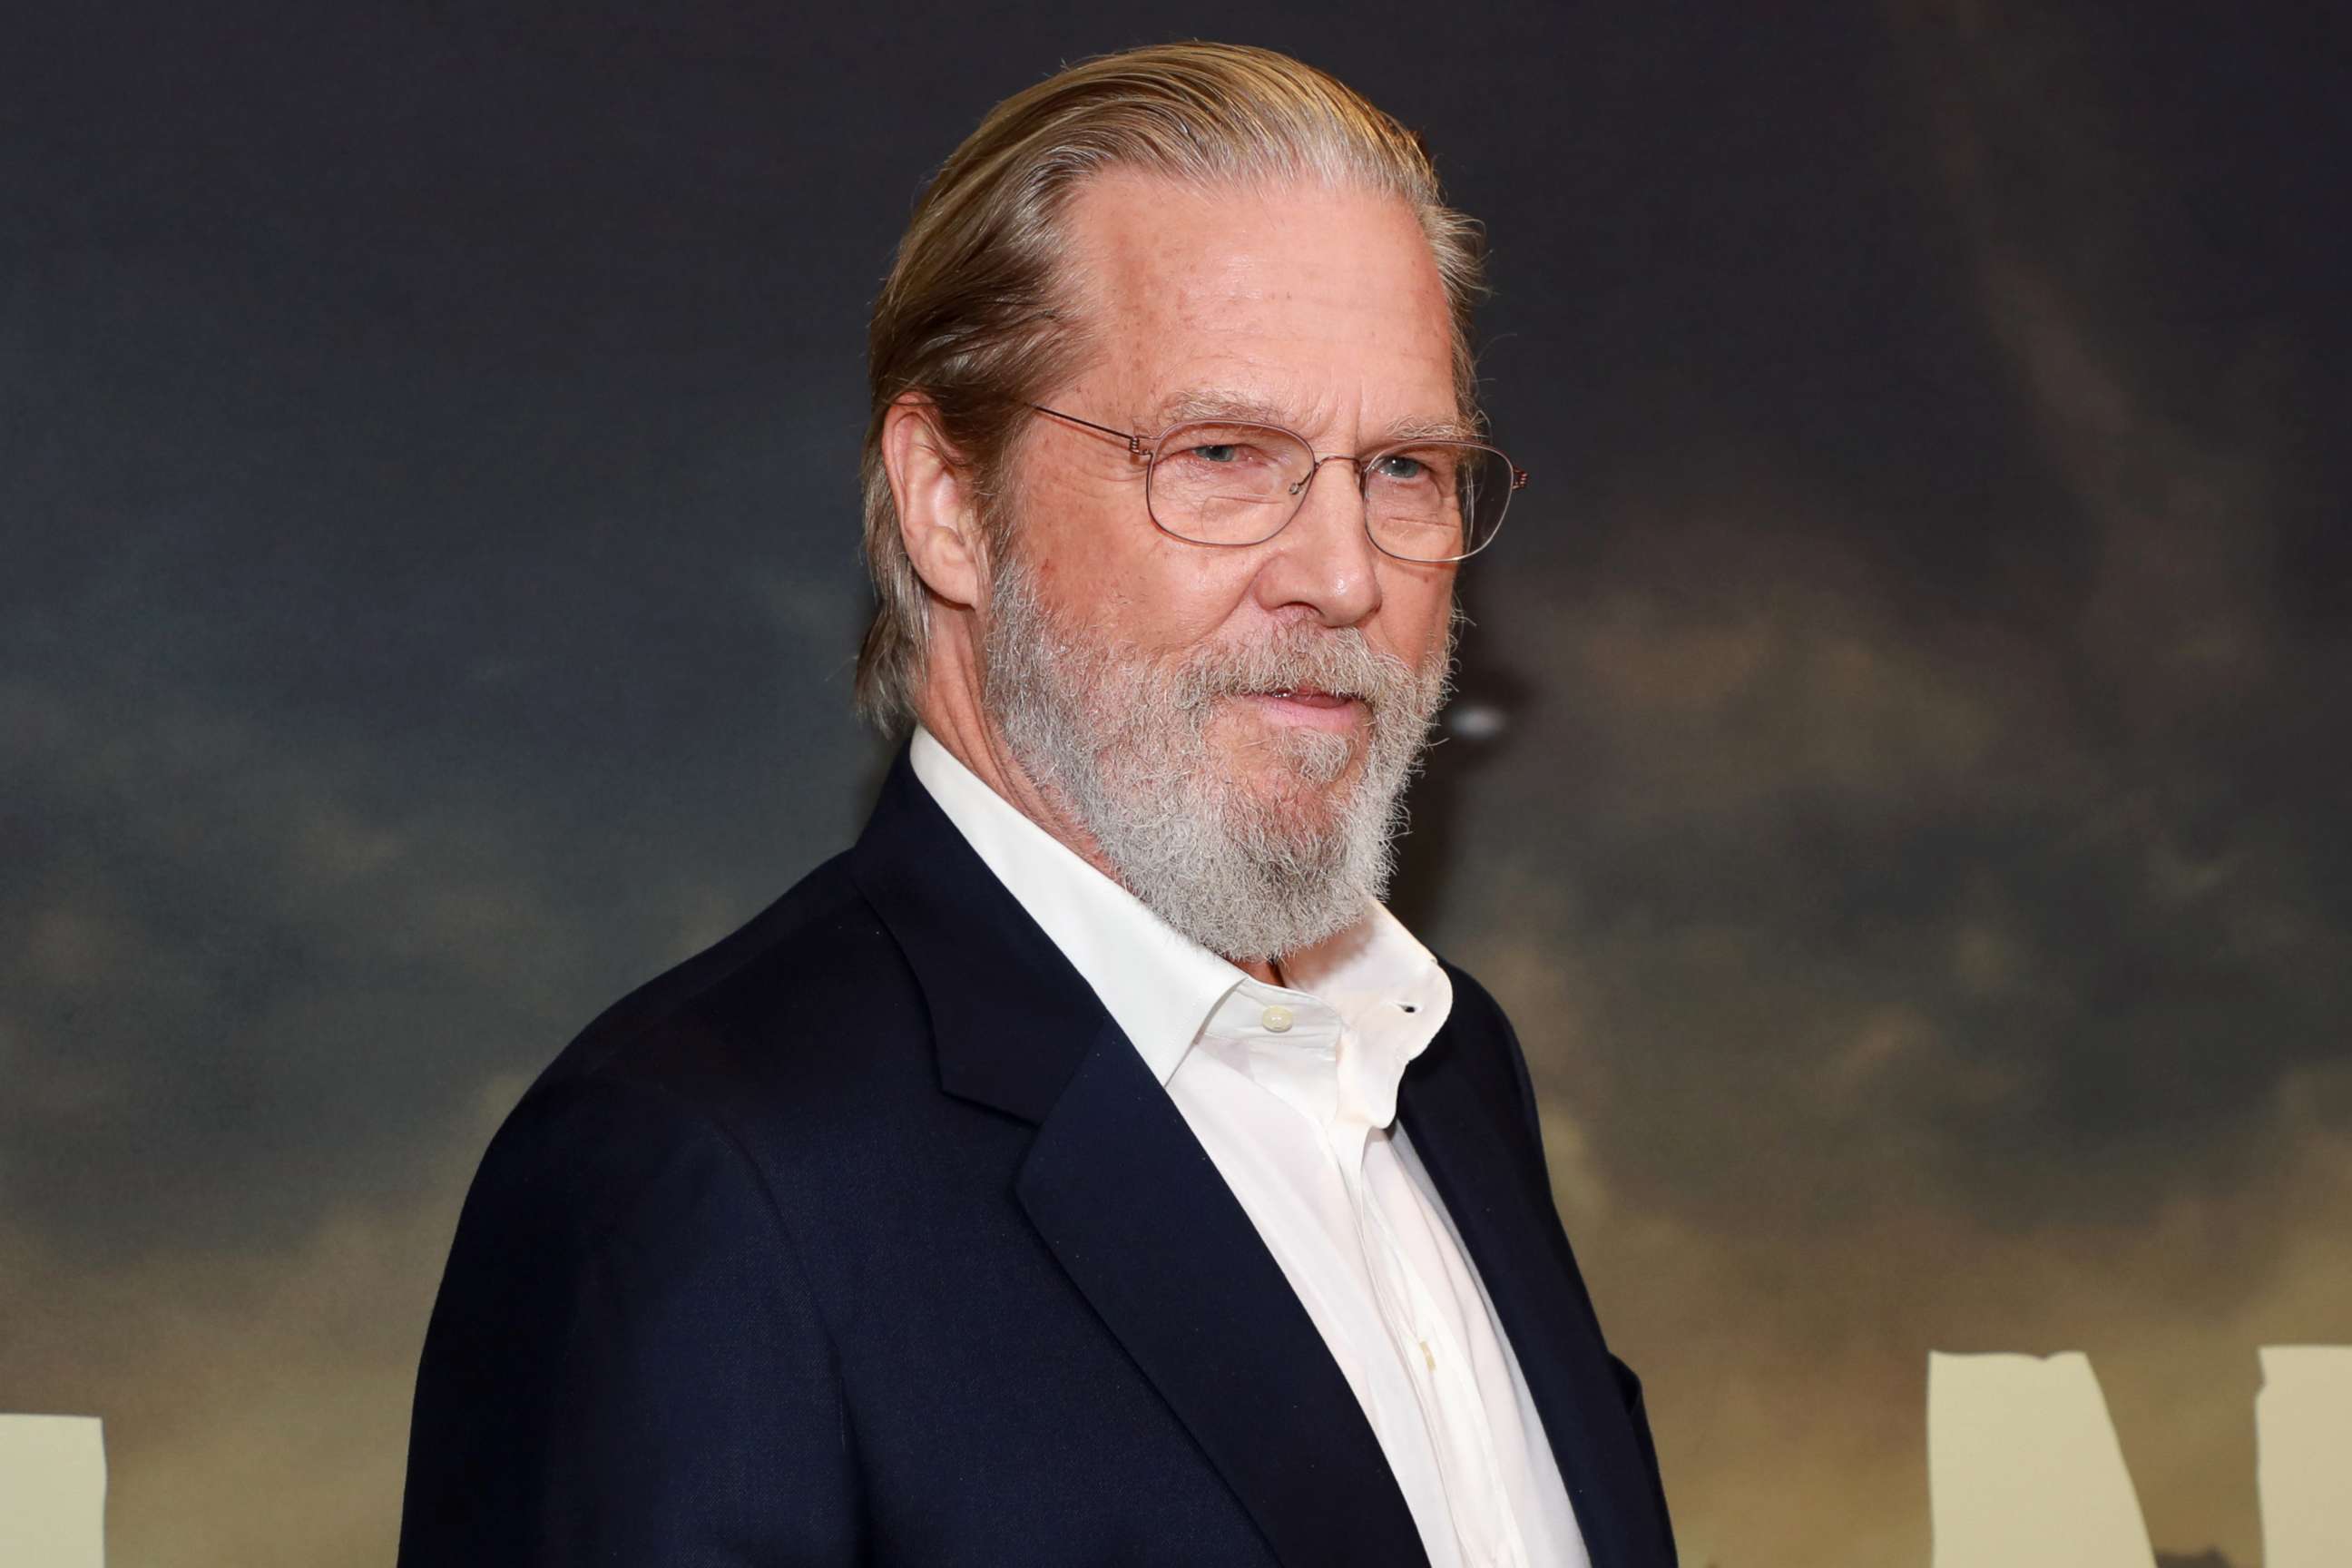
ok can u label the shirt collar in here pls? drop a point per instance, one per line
(1161, 987)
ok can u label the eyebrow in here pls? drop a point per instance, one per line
(1241, 408)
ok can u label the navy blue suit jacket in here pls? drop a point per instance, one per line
(866, 1237)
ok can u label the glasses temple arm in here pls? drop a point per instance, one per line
(1134, 443)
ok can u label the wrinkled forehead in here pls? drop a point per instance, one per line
(1316, 307)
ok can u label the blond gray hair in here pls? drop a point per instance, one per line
(975, 317)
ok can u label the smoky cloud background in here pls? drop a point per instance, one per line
(1915, 855)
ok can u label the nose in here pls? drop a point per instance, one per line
(1324, 559)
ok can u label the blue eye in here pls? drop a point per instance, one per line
(1398, 465)
(1224, 453)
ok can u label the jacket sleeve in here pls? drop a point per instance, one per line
(624, 1363)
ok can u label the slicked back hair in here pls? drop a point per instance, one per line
(976, 318)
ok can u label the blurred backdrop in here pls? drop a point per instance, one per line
(1904, 807)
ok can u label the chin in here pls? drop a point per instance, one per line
(1294, 787)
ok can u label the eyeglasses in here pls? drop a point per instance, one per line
(1233, 482)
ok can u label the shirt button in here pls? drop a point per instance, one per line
(1276, 1019)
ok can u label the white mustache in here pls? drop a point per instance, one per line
(1338, 664)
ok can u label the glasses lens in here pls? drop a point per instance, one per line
(1438, 500)
(1227, 484)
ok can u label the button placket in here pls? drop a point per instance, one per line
(1484, 1525)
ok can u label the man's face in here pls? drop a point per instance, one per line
(1256, 707)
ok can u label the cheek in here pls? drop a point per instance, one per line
(1072, 530)
(1417, 605)
(1118, 575)
(1195, 596)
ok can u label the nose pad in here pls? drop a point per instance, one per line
(1298, 486)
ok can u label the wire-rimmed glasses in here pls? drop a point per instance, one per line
(1235, 482)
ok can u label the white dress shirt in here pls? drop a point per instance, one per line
(1292, 1091)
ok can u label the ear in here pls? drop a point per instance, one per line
(939, 515)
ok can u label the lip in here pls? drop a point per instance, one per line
(1313, 709)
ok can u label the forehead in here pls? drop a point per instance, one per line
(1322, 303)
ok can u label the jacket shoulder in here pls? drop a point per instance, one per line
(822, 927)
(783, 997)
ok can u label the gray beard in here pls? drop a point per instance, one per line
(1119, 740)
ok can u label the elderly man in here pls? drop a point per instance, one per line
(1085, 1168)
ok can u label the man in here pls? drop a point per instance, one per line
(1084, 1168)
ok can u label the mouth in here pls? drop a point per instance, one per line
(1309, 706)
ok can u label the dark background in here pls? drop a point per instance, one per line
(1914, 852)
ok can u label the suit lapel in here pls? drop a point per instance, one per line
(1507, 1221)
(1129, 1202)
(1144, 1224)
